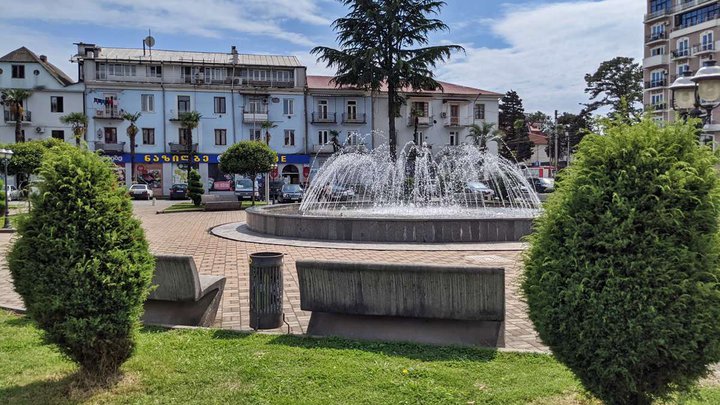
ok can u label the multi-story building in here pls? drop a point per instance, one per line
(53, 94)
(239, 96)
(679, 36)
(442, 116)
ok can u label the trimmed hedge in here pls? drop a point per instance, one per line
(81, 262)
(622, 273)
(195, 188)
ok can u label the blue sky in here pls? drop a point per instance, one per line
(539, 48)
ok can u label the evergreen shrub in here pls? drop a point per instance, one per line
(195, 188)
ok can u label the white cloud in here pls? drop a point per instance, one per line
(58, 50)
(551, 48)
(313, 67)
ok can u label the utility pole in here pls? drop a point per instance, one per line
(567, 135)
(557, 148)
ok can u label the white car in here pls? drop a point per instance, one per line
(141, 191)
(13, 192)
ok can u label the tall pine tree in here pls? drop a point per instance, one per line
(516, 143)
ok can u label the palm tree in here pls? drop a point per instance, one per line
(79, 122)
(266, 126)
(14, 99)
(189, 121)
(132, 131)
(482, 134)
(385, 43)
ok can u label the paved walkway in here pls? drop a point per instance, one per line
(187, 233)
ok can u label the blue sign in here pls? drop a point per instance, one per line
(197, 158)
(296, 159)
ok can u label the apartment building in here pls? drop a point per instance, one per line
(235, 94)
(679, 36)
(53, 94)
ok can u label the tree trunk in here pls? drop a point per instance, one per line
(190, 155)
(132, 157)
(392, 107)
(254, 176)
(19, 138)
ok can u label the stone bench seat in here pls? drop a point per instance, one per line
(404, 302)
(182, 296)
(220, 202)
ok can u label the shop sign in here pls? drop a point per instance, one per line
(172, 158)
(296, 159)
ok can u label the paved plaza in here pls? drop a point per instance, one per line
(187, 234)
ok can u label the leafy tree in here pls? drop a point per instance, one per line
(14, 100)
(248, 158)
(82, 264)
(516, 143)
(385, 42)
(190, 121)
(482, 134)
(132, 131)
(335, 139)
(570, 127)
(79, 123)
(621, 274)
(267, 126)
(616, 81)
(28, 157)
(195, 188)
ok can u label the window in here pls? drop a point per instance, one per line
(147, 102)
(421, 108)
(707, 42)
(148, 136)
(289, 137)
(323, 109)
(56, 104)
(58, 134)
(259, 75)
(110, 135)
(683, 68)
(479, 111)
(284, 76)
(454, 138)
(18, 71)
(659, 5)
(221, 137)
(288, 106)
(698, 16)
(351, 110)
(683, 48)
(256, 106)
(120, 70)
(657, 78)
(657, 31)
(111, 105)
(419, 138)
(220, 106)
(323, 137)
(183, 104)
(660, 50)
(255, 134)
(657, 99)
(154, 71)
(184, 136)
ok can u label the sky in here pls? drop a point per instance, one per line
(542, 49)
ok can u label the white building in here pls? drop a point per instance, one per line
(54, 94)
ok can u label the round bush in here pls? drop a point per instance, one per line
(621, 276)
(81, 262)
(195, 188)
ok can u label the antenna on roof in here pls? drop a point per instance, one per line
(149, 41)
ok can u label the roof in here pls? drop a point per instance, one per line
(325, 82)
(537, 137)
(159, 55)
(24, 55)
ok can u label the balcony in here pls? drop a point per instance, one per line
(175, 115)
(656, 36)
(255, 114)
(688, 4)
(324, 118)
(656, 60)
(353, 118)
(12, 118)
(456, 121)
(700, 49)
(113, 114)
(655, 83)
(327, 148)
(681, 54)
(118, 147)
(656, 107)
(182, 148)
(421, 121)
(658, 14)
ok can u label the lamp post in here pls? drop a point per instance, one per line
(5, 156)
(697, 96)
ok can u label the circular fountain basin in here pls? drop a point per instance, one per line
(364, 225)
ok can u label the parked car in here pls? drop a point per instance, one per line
(179, 191)
(141, 191)
(13, 193)
(276, 189)
(244, 190)
(291, 193)
(542, 184)
(340, 193)
(478, 191)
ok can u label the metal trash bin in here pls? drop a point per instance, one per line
(266, 290)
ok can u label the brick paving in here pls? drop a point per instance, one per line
(187, 234)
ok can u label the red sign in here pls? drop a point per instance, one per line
(274, 173)
(222, 186)
(306, 171)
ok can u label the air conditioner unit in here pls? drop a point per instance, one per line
(99, 113)
(39, 130)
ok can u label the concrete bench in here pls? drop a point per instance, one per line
(181, 296)
(220, 202)
(404, 302)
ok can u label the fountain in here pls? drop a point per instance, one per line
(457, 194)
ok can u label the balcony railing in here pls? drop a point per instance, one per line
(255, 114)
(656, 107)
(706, 47)
(656, 36)
(118, 147)
(175, 114)
(655, 83)
(421, 121)
(681, 53)
(10, 117)
(324, 118)
(182, 148)
(327, 148)
(353, 118)
(113, 114)
(457, 121)
(658, 13)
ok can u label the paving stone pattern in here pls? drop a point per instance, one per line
(187, 234)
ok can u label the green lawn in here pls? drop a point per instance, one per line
(205, 366)
(190, 207)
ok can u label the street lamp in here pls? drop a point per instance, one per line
(693, 94)
(5, 156)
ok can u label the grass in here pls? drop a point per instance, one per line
(209, 366)
(190, 207)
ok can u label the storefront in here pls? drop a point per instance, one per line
(292, 169)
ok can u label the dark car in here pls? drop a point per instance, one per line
(542, 184)
(179, 192)
(276, 189)
(291, 193)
